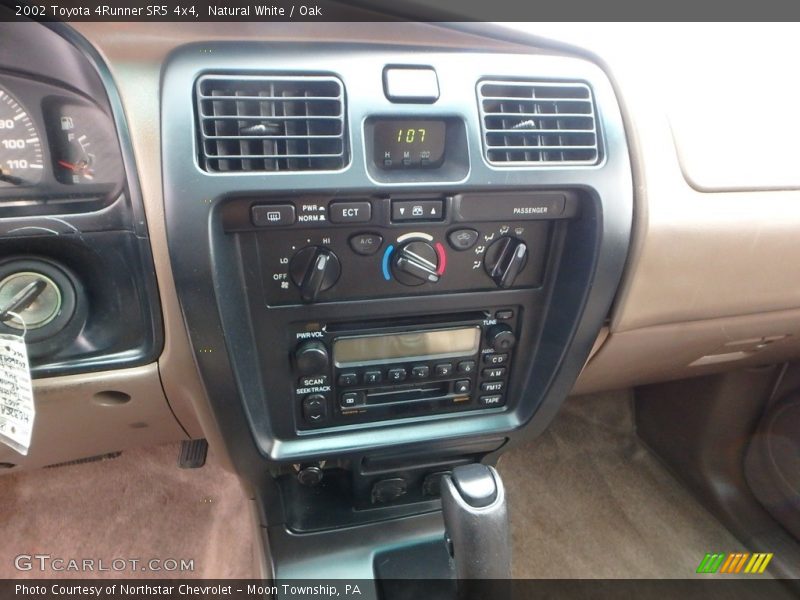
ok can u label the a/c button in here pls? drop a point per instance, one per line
(366, 243)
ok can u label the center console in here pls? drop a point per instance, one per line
(392, 262)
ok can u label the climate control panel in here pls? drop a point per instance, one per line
(321, 250)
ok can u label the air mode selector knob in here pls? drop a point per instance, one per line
(314, 269)
(504, 260)
(501, 338)
(311, 358)
(415, 263)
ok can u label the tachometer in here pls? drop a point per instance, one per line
(21, 161)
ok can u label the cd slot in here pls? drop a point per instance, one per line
(409, 394)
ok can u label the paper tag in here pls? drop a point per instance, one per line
(16, 394)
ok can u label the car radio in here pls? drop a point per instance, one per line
(362, 372)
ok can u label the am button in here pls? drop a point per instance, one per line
(350, 212)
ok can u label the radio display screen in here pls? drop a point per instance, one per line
(417, 345)
(403, 143)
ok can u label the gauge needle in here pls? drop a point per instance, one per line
(10, 178)
(81, 169)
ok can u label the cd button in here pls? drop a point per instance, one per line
(495, 359)
(420, 372)
(397, 374)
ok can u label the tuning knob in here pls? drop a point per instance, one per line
(311, 358)
(501, 338)
(504, 260)
(314, 269)
(416, 263)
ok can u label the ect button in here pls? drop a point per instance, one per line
(350, 212)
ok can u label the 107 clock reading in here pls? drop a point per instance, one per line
(409, 143)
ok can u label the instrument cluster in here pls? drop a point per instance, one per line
(56, 146)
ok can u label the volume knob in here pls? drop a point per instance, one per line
(311, 358)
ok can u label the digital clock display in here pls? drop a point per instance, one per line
(404, 144)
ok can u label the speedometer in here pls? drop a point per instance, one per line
(21, 161)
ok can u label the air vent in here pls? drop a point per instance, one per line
(538, 123)
(265, 123)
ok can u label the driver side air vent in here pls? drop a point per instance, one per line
(270, 123)
(538, 123)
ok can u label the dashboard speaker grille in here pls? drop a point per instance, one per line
(538, 123)
(270, 123)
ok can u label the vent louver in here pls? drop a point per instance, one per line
(538, 123)
(271, 123)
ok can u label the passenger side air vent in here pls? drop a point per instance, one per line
(538, 123)
(270, 123)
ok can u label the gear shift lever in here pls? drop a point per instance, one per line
(476, 522)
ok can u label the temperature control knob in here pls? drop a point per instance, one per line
(314, 270)
(415, 263)
(504, 260)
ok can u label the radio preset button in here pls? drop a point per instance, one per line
(397, 374)
(494, 373)
(492, 386)
(373, 377)
(348, 379)
(495, 359)
(315, 409)
(420, 372)
(462, 386)
(466, 366)
(493, 400)
(352, 399)
(366, 244)
(350, 212)
(443, 369)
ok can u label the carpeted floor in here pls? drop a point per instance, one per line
(586, 500)
(137, 506)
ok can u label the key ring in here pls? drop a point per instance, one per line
(21, 320)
